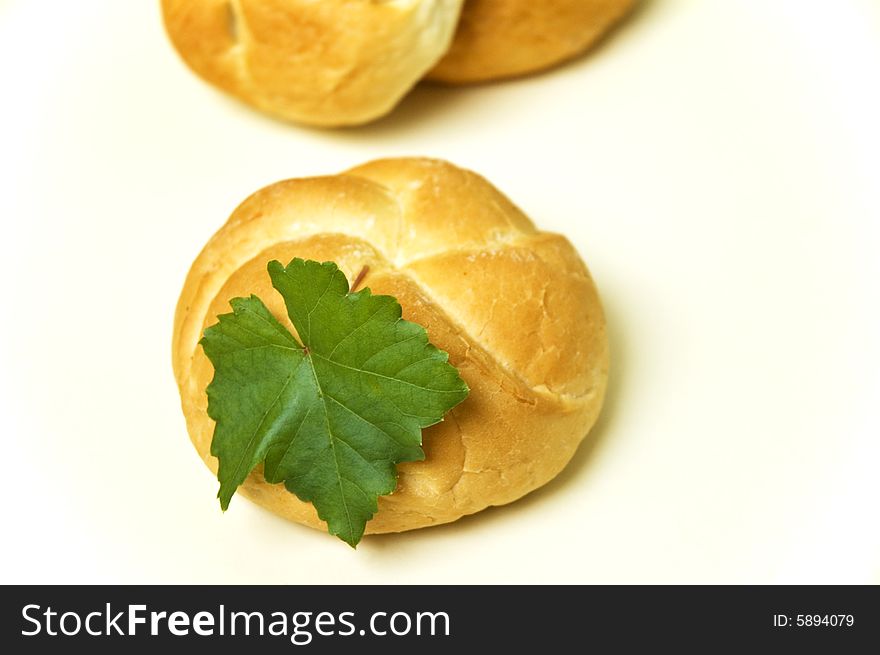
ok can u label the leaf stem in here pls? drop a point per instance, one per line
(360, 278)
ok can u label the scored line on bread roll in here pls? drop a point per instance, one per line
(515, 309)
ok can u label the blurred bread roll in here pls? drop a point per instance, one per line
(505, 38)
(326, 63)
(348, 62)
(514, 307)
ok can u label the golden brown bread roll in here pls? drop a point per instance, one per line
(333, 62)
(346, 62)
(505, 38)
(514, 307)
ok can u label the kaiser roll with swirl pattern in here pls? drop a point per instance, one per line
(514, 307)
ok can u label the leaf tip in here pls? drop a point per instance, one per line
(353, 541)
(224, 497)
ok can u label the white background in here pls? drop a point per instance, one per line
(717, 164)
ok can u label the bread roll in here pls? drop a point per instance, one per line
(333, 62)
(514, 307)
(504, 38)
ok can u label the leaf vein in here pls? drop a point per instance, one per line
(314, 307)
(364, 419)
(354, 331)
(276, 327)
(389, 346)
(263, 419)
(292, 439)
(386, 377)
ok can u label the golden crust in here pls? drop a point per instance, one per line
(505, 38)
(347, 62)
(334, 62)
(515, 309)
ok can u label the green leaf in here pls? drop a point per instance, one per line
(329, 414)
